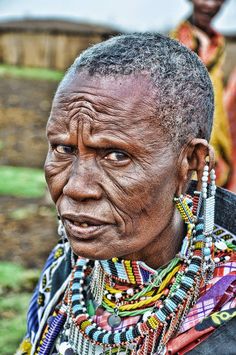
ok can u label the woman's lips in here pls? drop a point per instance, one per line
(83, 227)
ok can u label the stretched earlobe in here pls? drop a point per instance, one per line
(192, 159)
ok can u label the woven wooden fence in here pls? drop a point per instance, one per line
(47, 44)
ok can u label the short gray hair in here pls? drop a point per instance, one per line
(184, 102)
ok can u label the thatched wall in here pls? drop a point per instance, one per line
(43, 50)
(47, 44)
(55, 44)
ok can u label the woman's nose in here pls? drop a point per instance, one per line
(83, 182)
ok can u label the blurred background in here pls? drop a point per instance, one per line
(38, 41)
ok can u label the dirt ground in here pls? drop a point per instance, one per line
(27, 226)
(24, 109)
(28, 232)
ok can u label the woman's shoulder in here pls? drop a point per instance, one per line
(54, 273)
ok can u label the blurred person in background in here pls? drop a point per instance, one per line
(230, 106)
(197, 34)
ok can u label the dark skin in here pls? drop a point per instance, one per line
(203, 13)
(112, 172)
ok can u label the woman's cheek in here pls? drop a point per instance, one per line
(55, 186)
(129, 199)
(56, 177)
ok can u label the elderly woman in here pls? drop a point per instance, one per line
(138, 269)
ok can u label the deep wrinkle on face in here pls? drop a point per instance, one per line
(109, 160)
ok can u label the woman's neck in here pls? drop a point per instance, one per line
(206, 28)
(165, 246)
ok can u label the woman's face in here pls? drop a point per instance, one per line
(109, 168)
(204, 11)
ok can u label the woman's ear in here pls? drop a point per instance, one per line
(193, 157)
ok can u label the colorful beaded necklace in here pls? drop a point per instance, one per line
(162, 316)
(119, 297)
(159, 322)
(140, 339)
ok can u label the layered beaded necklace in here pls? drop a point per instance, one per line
(120, 298)
(160, 298)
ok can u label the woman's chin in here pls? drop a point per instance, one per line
(90, 250)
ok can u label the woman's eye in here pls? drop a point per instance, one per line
(117, 156)
(64, 149)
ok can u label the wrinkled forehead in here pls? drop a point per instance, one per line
(120, 110)
(124, 101)
(123, 84)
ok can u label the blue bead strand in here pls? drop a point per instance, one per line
(51, 335)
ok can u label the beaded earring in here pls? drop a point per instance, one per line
(198, 214)
(208, 213)
(204, 211)
(61, 230)
(62, 234)
(184, 206)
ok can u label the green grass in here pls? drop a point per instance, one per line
(21, 182)
(14, 299)
(14, 271)
(16, 278)
(30, 73)
(13, 310)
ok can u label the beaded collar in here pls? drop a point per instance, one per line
(133, 272)
(156, 326)
(164, 315)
